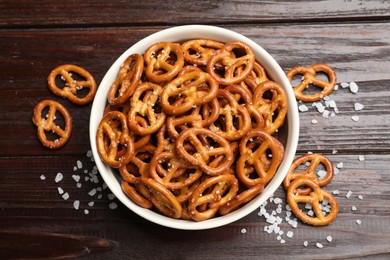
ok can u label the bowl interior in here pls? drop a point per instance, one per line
(289, 133)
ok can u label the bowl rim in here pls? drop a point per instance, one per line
(180, 33)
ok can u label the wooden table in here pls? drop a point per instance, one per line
(38, 222)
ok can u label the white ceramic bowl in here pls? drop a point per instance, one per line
(177, 34)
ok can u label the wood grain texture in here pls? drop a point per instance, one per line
(25, 14)
(36, 222)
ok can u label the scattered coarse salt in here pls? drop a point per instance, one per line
(91, 203)
(344, 84)
(358, 221)
(282, 241)
(112, 205)
(334, 151)
(314, 121)
(78, 185)
(305, 243)
(336, 192)
(60, 190)
(111, 196)
(361, 158)
(86, 212)
(100, 196)
(353, 208)
(360, 197)
(89, 153)
(76, 204)
(42, 177)
(75, 168)
(326, 113)
(243, 231)
(59, 177)
(353, 87)
(348, 195)
(303, 108)
(329, 238)
(278, 201)
(336, 171)
(340, 165)
(355, 118)
(76, 178)
(319, 245)
(290, 234)
(65, 196)
(79, 164)
(92, 192)
(358, 106)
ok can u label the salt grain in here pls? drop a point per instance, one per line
(86, 212)
(355, 118)
(344, 85)
(319, 245)
(92, 192)
(360, 197)
(91, 203)
(336, 192)
(361, 158)
(79, 164)
(290, 234)
(65, 196)
(353, 208)
(334, 151)
(243, 231)
(278, 201)
(349, 193)
(358, 106)
(112, 205)
(60, 190)
(305, 243)
(111, 196)
(282, 241)
(353, 87)
(76, 178)
(340, 165)
(314, 121)
(42, 177)
(358, 221)
(303, 108)
(76, 204)
(59, 177)
(329, 238)
(78, 185)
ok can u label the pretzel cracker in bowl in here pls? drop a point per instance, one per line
(194, 115)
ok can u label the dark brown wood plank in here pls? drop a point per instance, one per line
(32, 208)
(123, 13)
(29, 56)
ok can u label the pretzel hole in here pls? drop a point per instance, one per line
(296, 80)
(312, 90)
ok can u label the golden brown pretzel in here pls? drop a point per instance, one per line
(48, 123)
(112, 136)
(231, 63)
(192, 89)
(257, 157)
(274, 107)
(128, 79)
(309, 77)
(314, 161)
(171, 177)
(214, 192)
(135, 196)
(161, 197)
(204, 154)
(164, 60)
(316, 196)
(200, 116)
(240, 199)
(72, 86)
(234, 121)
(199, 51)
(145, 104)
